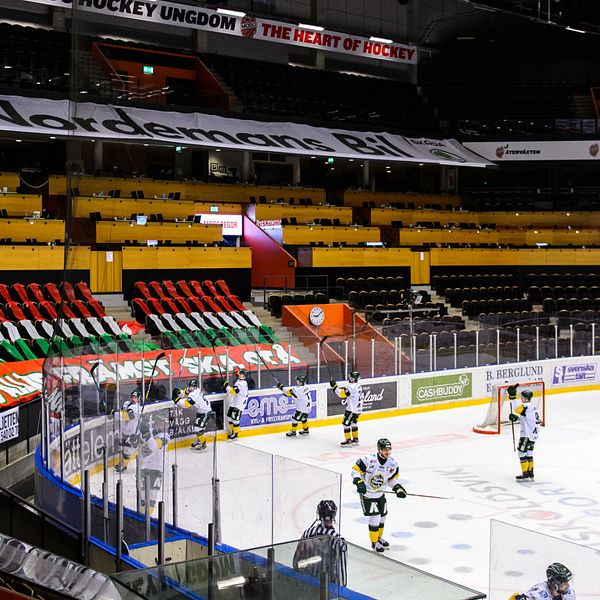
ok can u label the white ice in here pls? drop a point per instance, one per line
(438, 454)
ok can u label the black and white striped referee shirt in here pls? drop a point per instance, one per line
(332, 551)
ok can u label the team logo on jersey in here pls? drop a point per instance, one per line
(248, 26)
(377, 480)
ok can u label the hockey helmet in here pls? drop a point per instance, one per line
(301, 379)
(241, 372)
(135, 395)
(527, 395)
(558, 577)
(193, 384)
(353, 376)
(326, 510)
(383, 444)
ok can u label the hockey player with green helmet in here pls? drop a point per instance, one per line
(527, 415)
(352, 394)
(371, 474)
(556, 587)
(237, 395)
(301, 395)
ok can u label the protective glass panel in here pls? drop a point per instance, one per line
(519, 558)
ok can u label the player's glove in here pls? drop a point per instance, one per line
(517, 596)
(333, 384)
(280, 386)
(176, 395)
(361, 487)
(514, 418)
(399, 491)
(511, 390)
(225, 384)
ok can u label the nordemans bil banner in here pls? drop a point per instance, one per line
(173, 14)
(22, 381)
(40, 116)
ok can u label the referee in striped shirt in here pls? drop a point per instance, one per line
(315, 554)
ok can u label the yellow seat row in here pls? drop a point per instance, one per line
(117, 232)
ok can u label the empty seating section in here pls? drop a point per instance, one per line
(276, 302)
(30, 326)
(401, 200)
(287, 91)
(32, 231)
(330, 215)
(34, 58)
(191, 314)
(162, 209)
(305, 234)
(111, 232)
(159, 190)
(543, 199)
(19, 205)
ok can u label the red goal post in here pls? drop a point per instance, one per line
(499, 407)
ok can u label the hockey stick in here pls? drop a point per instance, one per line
(512, 423)
(161, 355)
(267, 367)
(212, 344)
(321, 342)
(419, 495)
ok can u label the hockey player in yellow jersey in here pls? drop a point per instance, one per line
(303, 402)
(527, 415)
(371, 475)
(352, 393)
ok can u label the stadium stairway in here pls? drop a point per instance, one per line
(284, 334)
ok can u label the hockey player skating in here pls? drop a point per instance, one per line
(526, 413)
(238, 396)
(371, 475)
(556, 587)
(301, 395)
(154, 441)
(353, 395)
(330, 552)
(194, 396)
(129, 417)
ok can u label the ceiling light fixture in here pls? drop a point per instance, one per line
(233, 13)
(311, 27)
(374, 38)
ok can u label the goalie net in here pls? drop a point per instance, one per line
(499, 406)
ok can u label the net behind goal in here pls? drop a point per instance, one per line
(499, 407)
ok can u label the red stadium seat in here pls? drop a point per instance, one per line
(184, 289)
(183, 304)
(235, 301)
(222, 287)
(155, 307)
(140, 310)
(197, 304)
(5, 293)
(198, 291)
(67, 313)
(84, 291)
(33, 310)
(169, 306)
(68, 291)
(15, 311)
(36, 292)
(157, 290)
(20, 292)
(2, 316)
(170, 289)
(209, 286)
(212, 305)
(80, 307)
(96, 309)
(141, 290)
(47, 310)
(223, 302)
(52, 293)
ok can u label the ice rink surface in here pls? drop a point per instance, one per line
(438, 454)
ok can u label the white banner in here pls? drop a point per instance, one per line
(530, 151)
(191, 17)
(9, 424)
(231, 224)
(26, 116)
